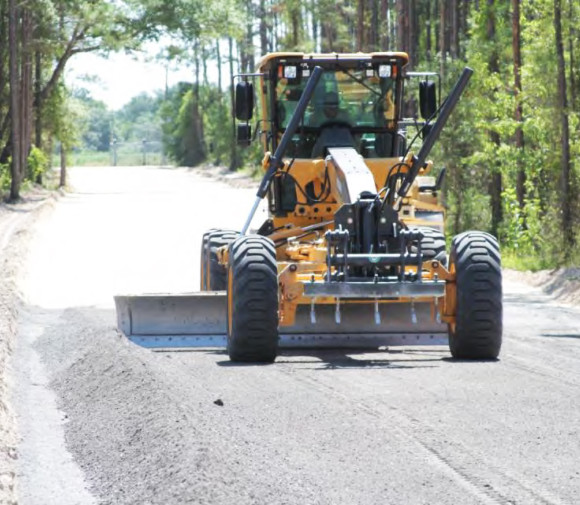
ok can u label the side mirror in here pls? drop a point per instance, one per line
(244, 100)
(244, 134)
(427, 98)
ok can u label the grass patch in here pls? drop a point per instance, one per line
(525, 262)
(105, 158)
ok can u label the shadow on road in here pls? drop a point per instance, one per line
(560, 335)
(336, 359)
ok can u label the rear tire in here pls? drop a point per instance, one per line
(216, 274)
(477, 334)
(433, 245)
(203, 261)
(252, 300)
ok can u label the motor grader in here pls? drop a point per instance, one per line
(353, 253)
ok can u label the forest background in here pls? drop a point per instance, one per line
(511, 149)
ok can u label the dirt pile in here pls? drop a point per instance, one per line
(239, 179)
(563, 284)
(141, 429)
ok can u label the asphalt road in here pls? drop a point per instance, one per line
(104, 421)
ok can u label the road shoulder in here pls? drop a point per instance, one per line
(15, 228)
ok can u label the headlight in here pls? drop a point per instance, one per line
(384, 70)
(290, 72)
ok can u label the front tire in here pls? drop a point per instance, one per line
(477, 332)
(252, 300)
(215, 273)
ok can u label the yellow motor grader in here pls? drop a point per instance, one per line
(353, 252)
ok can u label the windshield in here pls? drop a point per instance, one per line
(358, 98)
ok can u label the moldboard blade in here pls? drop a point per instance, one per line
(198, 320)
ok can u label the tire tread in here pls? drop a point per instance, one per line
(479, 326)
(254, 271)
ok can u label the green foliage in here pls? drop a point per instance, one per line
(194, 119)
(216, 119)
(184, 137)
(37, 163)
(94, 123)
(66, 117)
(4, 177)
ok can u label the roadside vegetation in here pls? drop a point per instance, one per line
(510, 150)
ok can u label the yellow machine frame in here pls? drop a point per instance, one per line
(301, 254)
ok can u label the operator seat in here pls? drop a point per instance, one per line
(334, 126)
(332, 136)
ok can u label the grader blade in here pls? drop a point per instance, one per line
(190, 320)
(173, 320)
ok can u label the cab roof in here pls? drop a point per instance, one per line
(269, 58)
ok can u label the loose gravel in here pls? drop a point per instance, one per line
(404, 426)
(15, 222)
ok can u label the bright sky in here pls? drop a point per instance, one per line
(119, 77)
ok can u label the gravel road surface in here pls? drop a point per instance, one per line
(101, 420)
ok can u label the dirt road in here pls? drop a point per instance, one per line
(103, 421)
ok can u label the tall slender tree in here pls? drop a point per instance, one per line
(565, 163)
(15, 100)
(519, 136)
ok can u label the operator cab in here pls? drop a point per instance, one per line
(355, 103)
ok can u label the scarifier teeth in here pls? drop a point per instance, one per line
(413, 314)
(377, 313)
(437, 314)
(337, 311)
(312, 313)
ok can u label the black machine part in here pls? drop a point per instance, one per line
(369, 241)
(244, 100)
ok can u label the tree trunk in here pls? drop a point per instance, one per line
(199, 140)
(463, 25)
(571, 35)
(62, 182)
(314, 25)
(295, 18)
(233, 150)
(373, 42)
(219, 66)
(428, 48)
(360, 27)
(385, 23)
(26, 90)
(442, 35)
(15, 102)
(495, 185)
(327, 37)
(274, 32)
(249, 45)
(454, 29)
(263, 28)
(517, 55)
(204, 58)
(412, 39)
(565, 164)
(37, 91)
(402, 26)
(4, 57)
